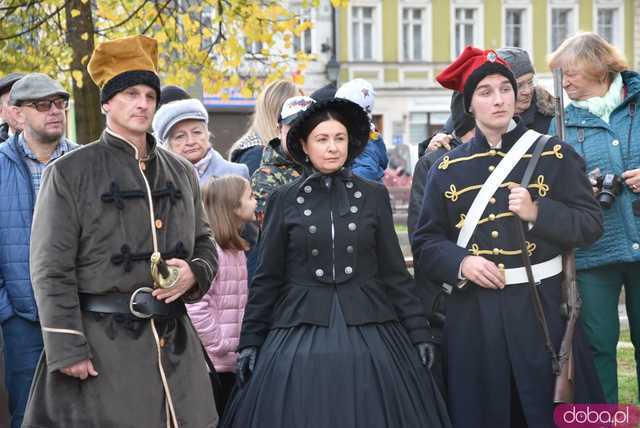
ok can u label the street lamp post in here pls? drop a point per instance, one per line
(333, 66)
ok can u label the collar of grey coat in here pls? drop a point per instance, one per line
(121, 143)
(335, 183)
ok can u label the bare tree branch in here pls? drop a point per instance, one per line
(220, 36)
(19, 6)
(34, 26)
(160, 9)
(124, 21)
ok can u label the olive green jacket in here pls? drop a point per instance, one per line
(92, 233)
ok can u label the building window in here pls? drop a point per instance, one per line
(465, 28)
(607, 22)
(362, 20)
(418, 127)
(561, 26)
(413, 33)
(303, 41)
(514, 27)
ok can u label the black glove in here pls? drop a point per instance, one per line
(246, 362)
(427, 352)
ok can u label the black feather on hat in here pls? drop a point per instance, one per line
(355, 120)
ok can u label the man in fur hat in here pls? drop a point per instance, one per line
(119, 243)
(499, 372)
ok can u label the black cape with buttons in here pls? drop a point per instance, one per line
(300, 265)
(492, 337)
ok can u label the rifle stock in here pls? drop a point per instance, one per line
(571, 304)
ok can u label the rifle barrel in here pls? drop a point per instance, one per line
(559, 102)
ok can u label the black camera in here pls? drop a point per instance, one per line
(609, 186)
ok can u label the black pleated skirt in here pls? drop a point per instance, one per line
(309, 376)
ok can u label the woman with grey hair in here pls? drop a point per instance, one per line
(182, 127)
(603, 126)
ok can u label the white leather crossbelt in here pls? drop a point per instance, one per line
(541, 271)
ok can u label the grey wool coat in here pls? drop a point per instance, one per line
(92, 233)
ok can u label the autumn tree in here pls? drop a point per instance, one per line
(221, 44)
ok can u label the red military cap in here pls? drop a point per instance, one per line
(471, 66)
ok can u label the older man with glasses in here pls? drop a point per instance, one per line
(40, 104)
(8, 124)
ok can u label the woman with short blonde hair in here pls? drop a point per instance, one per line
(603, 126)
(264, 124)
(589, 52)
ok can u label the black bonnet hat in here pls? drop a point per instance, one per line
(357, 124)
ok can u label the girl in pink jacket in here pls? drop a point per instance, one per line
(229, 204)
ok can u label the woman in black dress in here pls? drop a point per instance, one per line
(333, 334)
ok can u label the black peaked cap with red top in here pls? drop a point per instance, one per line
(471, 66)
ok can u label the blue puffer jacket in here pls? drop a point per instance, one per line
(16, 212)
(372, 162)
(613, 148)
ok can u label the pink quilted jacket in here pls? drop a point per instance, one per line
(218, 316)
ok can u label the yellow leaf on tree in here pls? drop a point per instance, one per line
(298, 78)
(234, 80)
(77, 77)
(340, 3)
(246, 92)
(75, 13)
(84, 36)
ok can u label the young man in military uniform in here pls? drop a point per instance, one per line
(499, 373)
(119, 243)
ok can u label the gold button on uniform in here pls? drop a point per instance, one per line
(158, 223)
(162, 342)
(492, 152)
(143, 166)
(491, 167)
(501, 266)
(496, 251)
(492, 217)
(494, 234)
(492, 201)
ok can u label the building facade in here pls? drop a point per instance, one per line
(400, 45)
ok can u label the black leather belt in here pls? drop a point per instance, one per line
(140, 304)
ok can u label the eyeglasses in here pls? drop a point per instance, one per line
(45, 105)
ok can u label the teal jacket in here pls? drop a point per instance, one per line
(613, 148)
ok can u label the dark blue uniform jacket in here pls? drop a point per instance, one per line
(493, 340)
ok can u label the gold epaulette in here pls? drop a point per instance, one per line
(446, 161)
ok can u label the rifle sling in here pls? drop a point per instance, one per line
(535, 293)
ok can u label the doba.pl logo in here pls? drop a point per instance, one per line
(596, 416)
